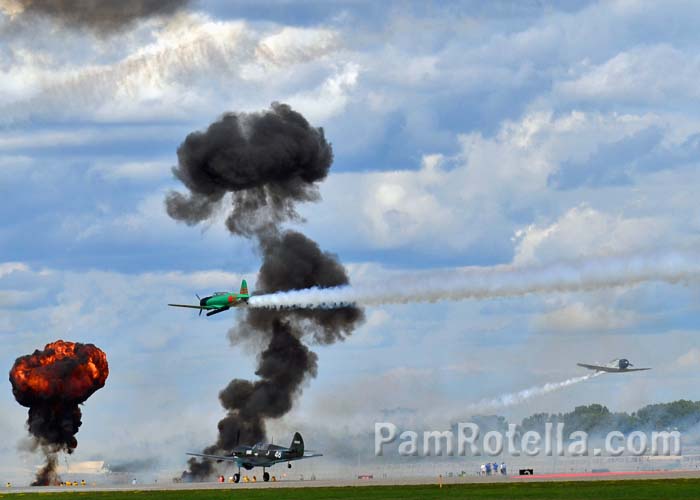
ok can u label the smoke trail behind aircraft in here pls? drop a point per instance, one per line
(496, 282)
(514, 398)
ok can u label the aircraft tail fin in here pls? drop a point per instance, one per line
(297, 446)
(244, 289)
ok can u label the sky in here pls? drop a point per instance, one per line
(464, 134)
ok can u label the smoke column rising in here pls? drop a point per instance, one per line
(263, 164)
(52, 383)
(496, 282)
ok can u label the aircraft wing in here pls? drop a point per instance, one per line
(219, 458)
(306, 455)
(610, 369)
(292, 459)
(191, 307)
(599, 368)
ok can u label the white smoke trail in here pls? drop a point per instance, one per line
(497, 281)
(514, 398)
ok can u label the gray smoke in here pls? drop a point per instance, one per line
(136, 465)
(292, 260)
(282, 368)
(100, 15)
(263, 164)
(267, 162)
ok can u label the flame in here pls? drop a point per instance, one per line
(52, 383)
(67, 371)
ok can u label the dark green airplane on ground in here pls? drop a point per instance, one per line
(262, 455)
(220, 301)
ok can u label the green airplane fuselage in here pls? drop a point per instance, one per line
(220, 301)
(223, 299)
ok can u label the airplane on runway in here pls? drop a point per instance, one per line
(614, 366)
(262, 455)
(220, 301)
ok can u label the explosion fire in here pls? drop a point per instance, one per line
(52, 383)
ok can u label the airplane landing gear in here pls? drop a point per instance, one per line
(266, 476)
(289, 466)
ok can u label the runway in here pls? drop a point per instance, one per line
(320, 483)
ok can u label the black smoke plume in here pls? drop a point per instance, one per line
(263, 164)
(52, 383)
(48, 475)
(103, 16)
(266, 161)
(282, 368)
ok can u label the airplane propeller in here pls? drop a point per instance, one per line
(200, 302)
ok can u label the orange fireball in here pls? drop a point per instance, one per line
(66, 371)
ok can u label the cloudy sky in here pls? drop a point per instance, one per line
(464, 133)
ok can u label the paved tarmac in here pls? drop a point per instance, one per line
(640, 475)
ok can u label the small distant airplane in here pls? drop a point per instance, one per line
(262, 455)
(615, 366)
(220, 301)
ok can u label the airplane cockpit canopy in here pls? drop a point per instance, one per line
(221, 293)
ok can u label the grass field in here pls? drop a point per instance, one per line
(651, 489)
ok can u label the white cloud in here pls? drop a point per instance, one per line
(585, 232)
(454, 204)
(579, 317)
(402, 206)
(80, 136)
(192, 64)
(647, 74)
(443, 87)
(329, 98)
(291, 45)
(133, 170)
(11, 267)
(146, 222)
(690, 359)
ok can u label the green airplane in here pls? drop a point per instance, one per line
(220, 301)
